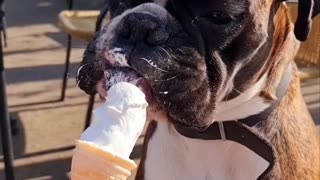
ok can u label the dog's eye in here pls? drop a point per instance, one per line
(220, 18)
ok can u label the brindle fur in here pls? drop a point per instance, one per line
(290, 128)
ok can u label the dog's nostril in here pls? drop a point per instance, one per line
(158, 37)
(143, 27)
(124, 32)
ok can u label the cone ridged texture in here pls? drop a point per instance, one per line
(90, 162)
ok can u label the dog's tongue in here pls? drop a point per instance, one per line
(120, 121)
(114, 76)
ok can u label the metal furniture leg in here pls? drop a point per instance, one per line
(66, 68)
(89, 111)
(5, 127)
(67, 63)
(6, 136)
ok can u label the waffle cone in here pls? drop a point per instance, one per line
(90, 162)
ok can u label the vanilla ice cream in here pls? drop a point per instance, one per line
(120, 121)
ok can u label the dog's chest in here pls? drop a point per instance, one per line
(171, 156)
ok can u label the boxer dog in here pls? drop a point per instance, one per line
(223, 90)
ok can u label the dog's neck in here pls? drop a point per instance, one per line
(258, 97)
(246, 104)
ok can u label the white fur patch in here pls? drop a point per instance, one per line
(119, 56)
(247, 104)
(171, 156)
(151, 63)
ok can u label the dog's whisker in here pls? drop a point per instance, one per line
(164, 92)
(169, 79)
(236, 90)
(80, 68)
(76, 65)
(183, 50)
(166, 51)
(154, 65)
(78, 82)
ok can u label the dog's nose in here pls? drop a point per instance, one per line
(143, 27)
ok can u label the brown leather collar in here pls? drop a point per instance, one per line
(240, 131)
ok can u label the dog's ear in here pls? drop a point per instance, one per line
(307, 10)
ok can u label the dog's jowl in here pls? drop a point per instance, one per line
(223, 90)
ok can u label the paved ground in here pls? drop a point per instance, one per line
(34, 61)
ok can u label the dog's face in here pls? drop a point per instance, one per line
(186, 55)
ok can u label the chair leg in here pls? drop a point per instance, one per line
(5, 128)
(67, 63)
(66, 69)
(89, 111)
(70, 4)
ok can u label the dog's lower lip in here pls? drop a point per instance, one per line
(101, 90)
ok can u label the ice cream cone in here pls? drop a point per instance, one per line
(103, 151)
(90, 162)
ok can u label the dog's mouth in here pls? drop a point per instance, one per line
(116, 75)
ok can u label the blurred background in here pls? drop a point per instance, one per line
(44, 125)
